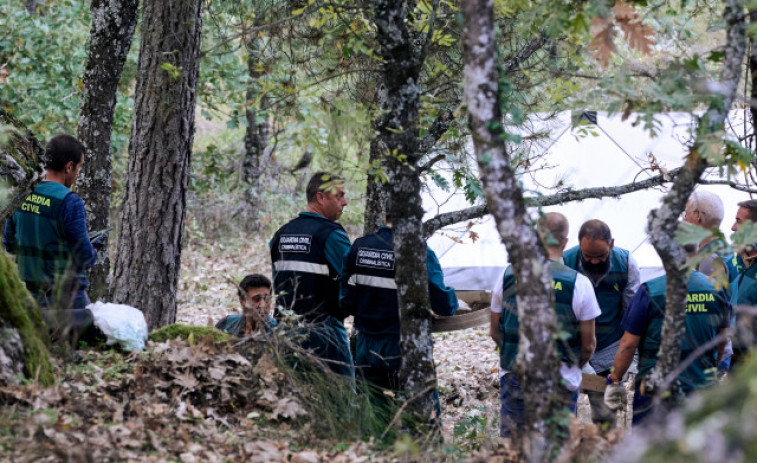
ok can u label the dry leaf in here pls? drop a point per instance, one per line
(287, 408)
(603, 44)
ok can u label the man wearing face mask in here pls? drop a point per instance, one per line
(614, 274)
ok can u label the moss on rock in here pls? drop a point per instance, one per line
(18, 308)
(178, 330)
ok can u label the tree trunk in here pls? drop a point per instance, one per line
(256, 136)
(663, 222)
(112, 29)
(23, 335)
(149, 246)
(537, 365)
(22, 164)
(752, 135)
(403, 57)
(375, 189)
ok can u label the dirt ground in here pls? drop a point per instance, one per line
(466, 360)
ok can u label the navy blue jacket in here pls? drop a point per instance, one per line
(304, 279)
(368, 289)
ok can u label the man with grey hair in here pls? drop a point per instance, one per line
(705, 209)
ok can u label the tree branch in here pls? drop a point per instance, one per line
(449, 218)
(514, 62)
(435, 132)
(21, 163)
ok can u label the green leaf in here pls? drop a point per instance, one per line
(745, 236)
(716, 56)
(688, 233)
(440, 181)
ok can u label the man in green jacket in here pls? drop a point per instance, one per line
(614, 275)
(48, 235)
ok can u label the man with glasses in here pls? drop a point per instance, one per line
(705, 210)
(615, 277)
(255, 298)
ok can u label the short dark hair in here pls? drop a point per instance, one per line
(61, 150)
(253, 281)
(751, 206)
(554, 225)
(595, 229)
(321, 181)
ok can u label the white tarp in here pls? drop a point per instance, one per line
(617, 153)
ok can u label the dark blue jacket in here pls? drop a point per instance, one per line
(49, 237)
(706, 313)
(303, 278)
(370, 293)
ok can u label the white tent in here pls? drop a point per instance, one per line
(611, 153)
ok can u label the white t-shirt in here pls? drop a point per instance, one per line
(585, 307)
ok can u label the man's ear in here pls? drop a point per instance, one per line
(612, 244)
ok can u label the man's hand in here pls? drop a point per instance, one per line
(616, 396)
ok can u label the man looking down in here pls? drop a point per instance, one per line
(48, 235)
(576, 308)
(706, 315)
(307, 255)
(614, 276)
(369, 292)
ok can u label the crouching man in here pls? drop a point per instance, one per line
(576, 308)
(706, 315)
(255, 298)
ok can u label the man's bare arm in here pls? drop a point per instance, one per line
(624, 356)
(588, 341)
(494, 327)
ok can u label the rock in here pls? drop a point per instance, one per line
(11, 355)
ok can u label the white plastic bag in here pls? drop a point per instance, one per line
(121, 324)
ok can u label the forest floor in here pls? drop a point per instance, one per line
(202, 401)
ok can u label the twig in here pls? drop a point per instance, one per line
(402, 408)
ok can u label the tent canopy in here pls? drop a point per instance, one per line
(611, 153)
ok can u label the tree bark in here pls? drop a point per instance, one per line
(375, 190)
(147, 265)
(398, 144)
(258, 127)
(537, 366)
(22, 163)
(111, 32)
(663, 222)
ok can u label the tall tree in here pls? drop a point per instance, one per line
(537, 365)
(112, 28)
(147, 265)
(403, 50)
(663, 222)
(258, 127)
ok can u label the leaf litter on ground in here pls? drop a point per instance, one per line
(208, 402)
